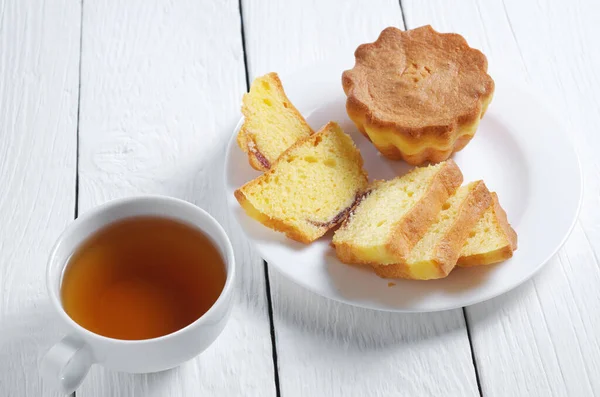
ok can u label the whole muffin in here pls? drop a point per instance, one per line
(418, 95)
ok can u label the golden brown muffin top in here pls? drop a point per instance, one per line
(418, 81)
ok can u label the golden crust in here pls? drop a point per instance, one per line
(246, 136)
(418, 95)
(409, 230)
(272, 223)
(503, 220)
(489, 258)
(500, 254)
(280, 225)
(447, 251)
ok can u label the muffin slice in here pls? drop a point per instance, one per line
(310, 188)
(271, 125)
(395, 214)
(492, 239)
(436, 254)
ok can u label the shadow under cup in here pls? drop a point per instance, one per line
(66, 364)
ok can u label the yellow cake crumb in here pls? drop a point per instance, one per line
(271, 122)
(310, 188)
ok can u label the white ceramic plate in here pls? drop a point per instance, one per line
(520, 150)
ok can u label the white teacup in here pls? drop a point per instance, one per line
(67, 363)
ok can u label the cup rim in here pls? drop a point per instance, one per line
(88, 215)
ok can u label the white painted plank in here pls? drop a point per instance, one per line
(161, 90)
(326, 348)
(542, 339)
(39, 59)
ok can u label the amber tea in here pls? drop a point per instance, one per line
(141, 278)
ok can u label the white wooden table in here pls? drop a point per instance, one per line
(102, 99)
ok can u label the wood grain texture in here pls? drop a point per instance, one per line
(326, 348)
(160, 95)
(542, 339)
(38, 130)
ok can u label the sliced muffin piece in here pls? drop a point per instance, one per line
(395, 214)
(271, 123)
(492, 239)
(436, 254)
(310, 188)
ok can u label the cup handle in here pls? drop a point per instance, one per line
(66, 364)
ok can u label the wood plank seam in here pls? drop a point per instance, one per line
(244, 45)
(272, 326)
(76, 211)
(76, 214)
(266, 270)
(404, 24)
(467, 326)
